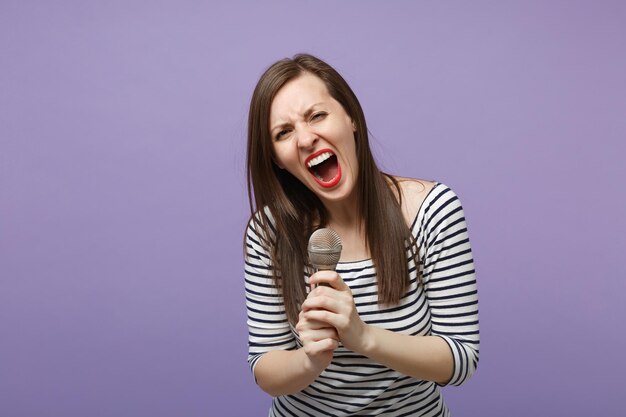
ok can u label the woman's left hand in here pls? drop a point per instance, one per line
(333, 304)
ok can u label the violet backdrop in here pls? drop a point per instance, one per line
(123, 202)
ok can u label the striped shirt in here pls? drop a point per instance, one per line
(446, 305)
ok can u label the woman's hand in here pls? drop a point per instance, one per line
(333, 305)
(319, 340)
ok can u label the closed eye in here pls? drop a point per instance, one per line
(318, 116)
(281, 134)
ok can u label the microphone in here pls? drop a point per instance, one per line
(324, 249)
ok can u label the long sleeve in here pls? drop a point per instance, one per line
(449, 279)
(268, 328)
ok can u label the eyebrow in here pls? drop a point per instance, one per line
(306, 114)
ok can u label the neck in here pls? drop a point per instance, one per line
(344, 214)
(345, 220)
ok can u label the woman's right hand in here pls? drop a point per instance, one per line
(319, 340)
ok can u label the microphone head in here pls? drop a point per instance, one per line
(324, 249)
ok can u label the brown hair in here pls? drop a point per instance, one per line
(295, 210)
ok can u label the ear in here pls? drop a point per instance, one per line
(353, 126)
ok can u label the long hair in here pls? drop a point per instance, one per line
(295, 210)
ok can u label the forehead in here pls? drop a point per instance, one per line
(298, 95)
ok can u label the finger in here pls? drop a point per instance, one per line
(306, 324)
(331, 278)
(328, 344)
(322, 302)
(321, 334)
(324, 345)
(322, 290)
(317, 325)
(324, 316)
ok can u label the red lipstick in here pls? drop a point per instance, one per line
(326, 166)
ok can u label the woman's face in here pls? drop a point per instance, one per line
(313, 138)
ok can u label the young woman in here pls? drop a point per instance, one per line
(399, 316)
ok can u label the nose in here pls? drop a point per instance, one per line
(306, 136)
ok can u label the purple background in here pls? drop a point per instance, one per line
(123, 205)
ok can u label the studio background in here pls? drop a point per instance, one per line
(123, 201)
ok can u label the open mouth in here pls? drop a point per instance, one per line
(324, 167)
